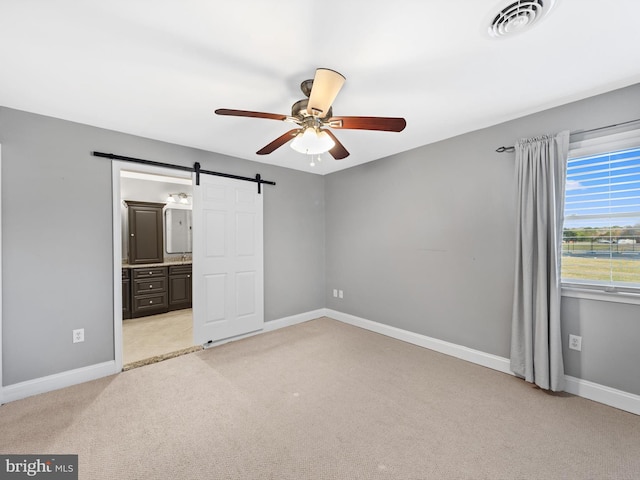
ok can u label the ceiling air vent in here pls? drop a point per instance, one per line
(519, 16)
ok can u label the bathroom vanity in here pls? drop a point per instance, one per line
(153, 280)
(155, 288)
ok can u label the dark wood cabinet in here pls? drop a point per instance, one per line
(146, 243)
(149, 294)
(179, 287)
(126, 294)
(156, 289)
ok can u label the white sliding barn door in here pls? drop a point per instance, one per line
(228, 293)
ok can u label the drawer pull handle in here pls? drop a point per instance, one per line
(151, 286)
(150, 273)
(188, 276)
(150, 301)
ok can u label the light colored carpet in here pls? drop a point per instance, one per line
(323, 400)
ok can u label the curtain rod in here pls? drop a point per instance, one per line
(512, 147)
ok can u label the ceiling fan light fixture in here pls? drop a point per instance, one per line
(312, 142)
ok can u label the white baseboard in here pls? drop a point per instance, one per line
(475, 356)
(294, 319)
(273, 325)
(576, 386)
(36, 386)
(603, 394)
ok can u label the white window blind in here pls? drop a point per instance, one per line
(601, 241)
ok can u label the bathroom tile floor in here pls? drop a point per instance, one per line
(156, 335)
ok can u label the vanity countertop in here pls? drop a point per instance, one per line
(163, 264)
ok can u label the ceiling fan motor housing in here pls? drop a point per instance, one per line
(299, 109)
(306, 87)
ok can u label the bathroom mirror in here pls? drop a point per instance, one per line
(177, 230)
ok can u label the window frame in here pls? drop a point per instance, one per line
(595, 143)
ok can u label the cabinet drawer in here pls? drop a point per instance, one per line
(150, 285)
(149, 272)
(143, 303)
(180, 269)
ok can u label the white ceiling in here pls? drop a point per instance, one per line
(159, 68)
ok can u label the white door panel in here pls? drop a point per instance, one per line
(215, 297)
(228, 293)
(215, 231)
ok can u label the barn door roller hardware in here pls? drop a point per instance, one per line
(196, 168)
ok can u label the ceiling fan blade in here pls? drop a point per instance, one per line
(248, 113)
(326, 85)
(387, 124)
(338, 151)
(278, 142)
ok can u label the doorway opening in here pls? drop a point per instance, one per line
(153, 316)
(227, 263)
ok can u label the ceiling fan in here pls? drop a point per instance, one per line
(314, 114)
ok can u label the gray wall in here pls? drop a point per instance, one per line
(610, 333)
(57, 239)
(423, 241)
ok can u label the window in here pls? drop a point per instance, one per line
(601, 238)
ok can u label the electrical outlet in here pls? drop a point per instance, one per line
(335, 292)
(575, 342)
(78, 335)
(340, 294)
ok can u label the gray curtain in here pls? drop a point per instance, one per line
(536, 342)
